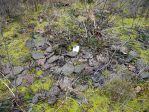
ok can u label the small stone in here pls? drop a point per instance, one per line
(72, 54)
(56, 70)
(42, 95)
(65, 83)
(52, 59)
(39, 41)
(18, 70)
(41, 62)
(37, 55)
(49, 49)
(29, 79)
(138, 89)
(124, 50)
(88, 70)
(145, 75)
(132, 55)
(131, 68)
(7, 69)
(98, 78)
(62, 95)
(35, 99)
(96, 84)
(67, 69)
(87, 55)
(52, 100)
(17, 82)
(114, 47)
(54, 91)
(30, 44)
(140, 64)
(46, 66)
(93, 63)
(79, 68)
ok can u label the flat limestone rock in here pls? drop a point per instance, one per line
(79, 68)
(52, 100)
(53, 59)
(67, 69)
(37, 55)
(72, 54)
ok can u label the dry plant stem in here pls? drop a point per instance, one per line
(85, 29)
(4, 76)
(12, 93)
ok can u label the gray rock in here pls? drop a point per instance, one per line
(17, 82)
(52, 100)
(72, 54)
(132, 55)
(46, 66)
(65, 83)
(30, 44)
(18, 70)
(140, 64)
(37, 55)
(98, 78)
(49, 49)
(67, 69)
(54, 91)
(96, 84)
(7, 69)
(35, 99)
(53, 59)
(42, 95)
(79, 68)
(62, 95)
(41, 62)
(39, 41)
(56, 70)
(29, 79)
(124, 50)
(145, 75)
(87, 55)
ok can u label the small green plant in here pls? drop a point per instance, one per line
(119, 91)
(42, 84)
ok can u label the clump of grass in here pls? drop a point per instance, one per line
(119, 91)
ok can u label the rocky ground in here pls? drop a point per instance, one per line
(58, 69)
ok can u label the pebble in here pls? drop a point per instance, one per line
(53, 59)
(37, 55)
(52, 100)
